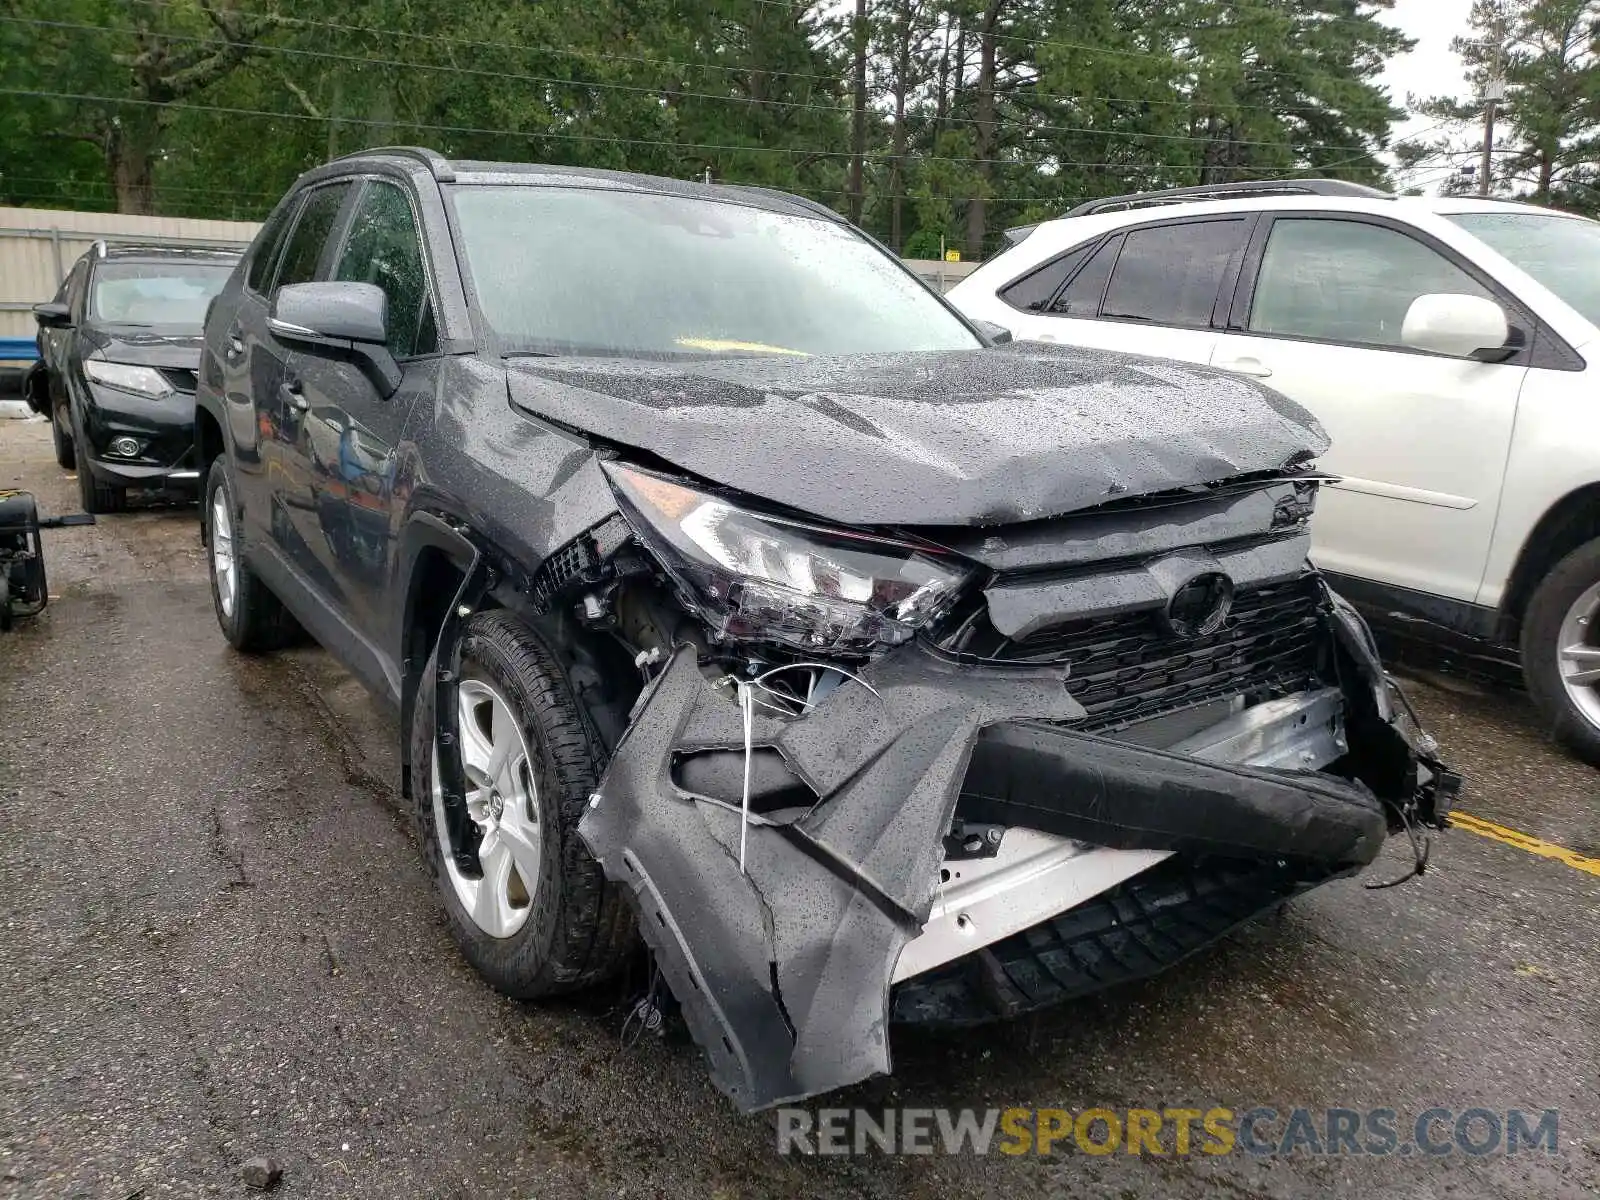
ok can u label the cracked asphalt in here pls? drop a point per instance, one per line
(216, 941)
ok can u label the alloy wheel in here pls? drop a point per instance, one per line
(1578, 655)
(224, 564)
(503, 802)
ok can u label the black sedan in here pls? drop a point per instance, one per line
(119, 345)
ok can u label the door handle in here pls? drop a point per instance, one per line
(235, 344)
(1248, 366)
(293, 396)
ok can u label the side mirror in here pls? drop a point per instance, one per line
(998, 335)
(337, 312)
(52, 315)
(340, 320)
(1460, 326)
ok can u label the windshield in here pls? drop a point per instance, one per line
(1563, 253)
(149, 293)
(580, 271)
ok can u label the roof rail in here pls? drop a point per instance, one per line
(441, 166)
(1229, 191)
(1018, 234)
(99, 247)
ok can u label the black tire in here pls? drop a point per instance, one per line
(259, 622)
(66, 449)
(580, 929)
(1541, 636)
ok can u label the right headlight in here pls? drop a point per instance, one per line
(146, 381)
(756, 577)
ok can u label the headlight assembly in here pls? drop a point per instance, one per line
(146, 381)
(755, 577)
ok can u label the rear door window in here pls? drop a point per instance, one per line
(304, 251)
(259, 277)
(1171, 274)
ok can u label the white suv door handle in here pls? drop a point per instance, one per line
(1248, 366)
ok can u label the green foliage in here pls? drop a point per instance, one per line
(980, 114)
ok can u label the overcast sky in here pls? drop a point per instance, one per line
(1431, 69)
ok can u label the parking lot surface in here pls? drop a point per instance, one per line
(216, 942)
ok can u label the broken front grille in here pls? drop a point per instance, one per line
(181, 378)
(1127, 668)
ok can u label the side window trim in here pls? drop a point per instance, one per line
(429, 300)
(1114, 243)
(1543, 349)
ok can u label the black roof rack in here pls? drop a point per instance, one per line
(1018, 234)
(441, 167)
(1230, 191)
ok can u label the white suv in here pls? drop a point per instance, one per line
(1449, 346)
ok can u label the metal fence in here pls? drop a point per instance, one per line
(39, 245)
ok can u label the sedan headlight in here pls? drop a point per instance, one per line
(758, 577)
(147, 381)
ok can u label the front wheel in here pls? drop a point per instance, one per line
(530, 908)
(97, 497)
(1561, 650)
(61, 435)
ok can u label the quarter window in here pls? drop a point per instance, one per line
(1032, 292)
(304, 251)
(1171, 274)
(384, 248)
(1348, 281)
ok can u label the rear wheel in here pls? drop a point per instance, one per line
(251, 617)
(1561, 650)
(530, 908)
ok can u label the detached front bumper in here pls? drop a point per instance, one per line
(784, 969)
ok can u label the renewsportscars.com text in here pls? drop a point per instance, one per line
(1261, 1131)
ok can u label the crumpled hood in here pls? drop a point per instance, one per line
(148, 348)
(971, 437)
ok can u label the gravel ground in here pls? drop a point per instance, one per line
(216, 942)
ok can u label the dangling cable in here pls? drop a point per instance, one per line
(747, 709)
(1420, 849)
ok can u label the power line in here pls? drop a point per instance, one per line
(705, 66)
(1024, 126)
(533, 134)
(8, 177)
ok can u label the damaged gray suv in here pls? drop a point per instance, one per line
(739, 597)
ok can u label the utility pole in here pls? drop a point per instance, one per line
(1494, 91)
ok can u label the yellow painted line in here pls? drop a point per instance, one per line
(1523, 841)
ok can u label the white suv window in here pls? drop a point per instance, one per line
(1171, 274)
(1348, 281)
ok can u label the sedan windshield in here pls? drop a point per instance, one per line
(164, 294)
(632, 274)
(1563, 253)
